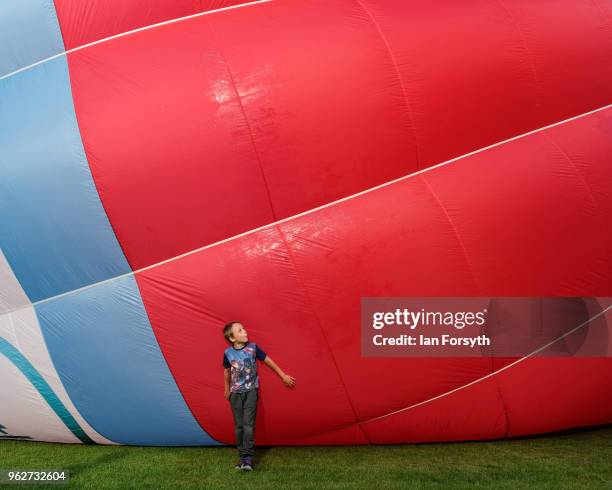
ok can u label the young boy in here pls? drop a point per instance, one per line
(242, 387)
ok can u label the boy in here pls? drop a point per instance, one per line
(242, 387)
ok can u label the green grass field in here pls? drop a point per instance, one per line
(574, 459)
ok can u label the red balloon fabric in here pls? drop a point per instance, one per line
(277, 161)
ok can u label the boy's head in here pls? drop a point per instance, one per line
(235, 332)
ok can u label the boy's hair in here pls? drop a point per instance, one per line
(227, 330)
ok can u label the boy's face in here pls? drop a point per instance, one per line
(239, 333)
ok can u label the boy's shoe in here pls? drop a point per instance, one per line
(239, 464)
(247, 464)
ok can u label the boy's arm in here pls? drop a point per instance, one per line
(288, 380)
(226, 381)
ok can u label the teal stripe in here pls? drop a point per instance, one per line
(30, 372)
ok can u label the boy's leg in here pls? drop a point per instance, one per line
(250, 412)
(238, 411)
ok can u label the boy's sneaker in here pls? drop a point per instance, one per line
(239, 464)
(247, 464)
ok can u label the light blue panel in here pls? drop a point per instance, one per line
(110, 363)
(55, 233)
(29, 32)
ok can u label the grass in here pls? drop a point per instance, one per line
(569, 459)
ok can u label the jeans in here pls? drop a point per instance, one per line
(244, 407)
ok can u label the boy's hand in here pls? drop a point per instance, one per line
(226, 394)
(288, 380)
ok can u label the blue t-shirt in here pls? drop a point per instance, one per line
(243, 364)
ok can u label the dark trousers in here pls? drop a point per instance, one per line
(244, 407)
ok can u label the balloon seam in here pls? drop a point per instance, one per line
(127, 33)
(318, 208)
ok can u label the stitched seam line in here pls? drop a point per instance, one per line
(127, 33)
(311, 306)
(493, 374)
(525, 44)
(310, 211)
(399, 76)
(465, 255)
(246, 119)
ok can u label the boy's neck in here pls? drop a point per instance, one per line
(239, 345)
